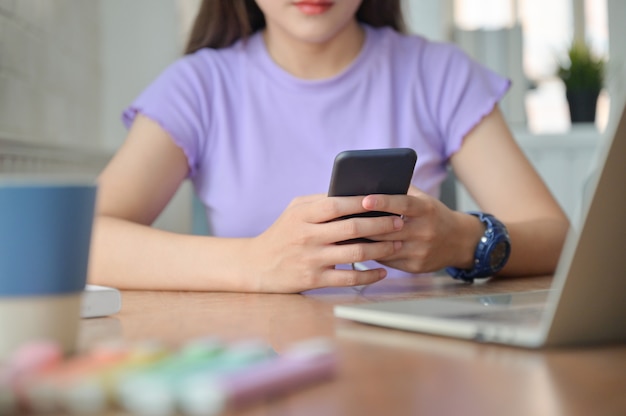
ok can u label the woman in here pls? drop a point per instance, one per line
(267, 94)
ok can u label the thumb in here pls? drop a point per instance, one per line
(414, 191)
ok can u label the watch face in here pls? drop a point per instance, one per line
(498, 254)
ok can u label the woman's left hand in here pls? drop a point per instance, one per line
(433, 235)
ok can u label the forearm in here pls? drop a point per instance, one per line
(535, 247)
(133, 256)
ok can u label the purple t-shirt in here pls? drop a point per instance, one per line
(255, 136)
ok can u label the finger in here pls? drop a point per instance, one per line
(358, 227)
(395, 204)
(391, 236)
(338, 278)
(306, 199)
(330, 208)
(415, 191)
(358, 252)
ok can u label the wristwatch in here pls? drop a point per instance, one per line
(492, 251)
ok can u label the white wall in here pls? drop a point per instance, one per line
(67, 70)
(69, 67)
(139, 39)
(430, 18)
(50, 72)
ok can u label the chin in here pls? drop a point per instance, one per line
(318, 32)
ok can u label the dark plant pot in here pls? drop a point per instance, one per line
(582, 105)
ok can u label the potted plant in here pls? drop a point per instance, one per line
(583, 75)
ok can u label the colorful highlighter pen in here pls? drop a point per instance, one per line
(29, 359)
(306, 363)
(94, 393)
(42, 390)
(154, 392)
(149, 384)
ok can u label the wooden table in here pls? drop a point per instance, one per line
(385, 371)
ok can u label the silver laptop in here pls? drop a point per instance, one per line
(585, 305)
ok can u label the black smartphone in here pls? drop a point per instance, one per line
(374, 171)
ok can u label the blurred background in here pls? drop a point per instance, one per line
(69, 67)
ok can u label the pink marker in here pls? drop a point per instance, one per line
(41, 391)
(27, 360)
(304, 364)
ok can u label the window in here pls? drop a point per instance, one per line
(547, 30)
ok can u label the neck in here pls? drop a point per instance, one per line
(315, 60)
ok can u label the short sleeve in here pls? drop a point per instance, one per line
(460, 92)
(174, 101)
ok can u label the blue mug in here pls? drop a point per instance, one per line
(45, 234)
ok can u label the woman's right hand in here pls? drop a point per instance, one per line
(299, 251)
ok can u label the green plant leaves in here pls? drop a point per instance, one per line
(583, 71)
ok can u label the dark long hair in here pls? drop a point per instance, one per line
(220, 23)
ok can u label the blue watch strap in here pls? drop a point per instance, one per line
(492, 251)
